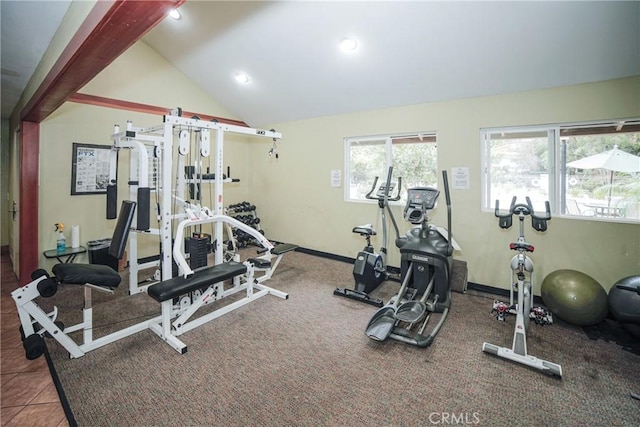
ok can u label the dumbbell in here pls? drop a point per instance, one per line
(241, 236)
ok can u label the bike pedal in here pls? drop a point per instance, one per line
(500, 309)
(541, 316)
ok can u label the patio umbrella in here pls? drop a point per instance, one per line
(613, 160)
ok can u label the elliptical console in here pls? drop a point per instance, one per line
(420, 200)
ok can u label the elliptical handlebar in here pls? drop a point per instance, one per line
(447, 196)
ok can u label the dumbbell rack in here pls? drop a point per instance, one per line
(244, 212)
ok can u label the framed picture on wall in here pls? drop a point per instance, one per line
(90, 169)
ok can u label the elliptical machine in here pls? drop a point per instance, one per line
(370, 268)
(426, 263)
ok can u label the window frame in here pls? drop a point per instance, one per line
(557, 171)
(388, 142)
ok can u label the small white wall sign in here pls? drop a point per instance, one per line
(460, 178)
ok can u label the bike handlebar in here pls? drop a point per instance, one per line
(522, 208)
(538, 222)
(373, 188)
(386, 195)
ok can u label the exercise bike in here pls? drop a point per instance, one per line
(370, 268)
(426, 263)
(521, 277)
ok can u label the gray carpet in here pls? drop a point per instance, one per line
(306, 361)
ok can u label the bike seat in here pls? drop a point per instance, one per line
(365, 230)
(518, 246)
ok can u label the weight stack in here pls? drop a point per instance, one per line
(198, 247)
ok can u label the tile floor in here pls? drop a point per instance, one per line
(28, 395)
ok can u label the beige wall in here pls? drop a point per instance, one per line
(158, 83)
(293, 193)
(300, 206)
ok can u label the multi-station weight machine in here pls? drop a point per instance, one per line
(158, 156)
(182, 201)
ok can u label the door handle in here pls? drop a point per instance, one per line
(14, 210)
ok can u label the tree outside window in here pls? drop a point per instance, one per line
(413, 157)
(584, 170)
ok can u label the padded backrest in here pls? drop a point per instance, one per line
(121, 232)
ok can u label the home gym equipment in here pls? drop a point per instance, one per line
(426, 261)
(197, 284)
(521, 278)
(246, 213)
(624, 304)
(370, 268)
(36, 324)
(575, 297)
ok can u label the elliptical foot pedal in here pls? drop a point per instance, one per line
(358, 296)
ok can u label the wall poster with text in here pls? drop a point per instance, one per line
(90, 168)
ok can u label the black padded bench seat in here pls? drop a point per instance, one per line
(80, 274)
(178, 286)
(282, 248)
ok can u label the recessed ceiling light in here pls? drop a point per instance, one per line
(349, 45)
(174, 14)
(242, 78)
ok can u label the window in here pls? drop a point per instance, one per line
(583, 170)
(413, 157)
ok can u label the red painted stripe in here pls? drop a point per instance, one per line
(143, 108)
(110, 28)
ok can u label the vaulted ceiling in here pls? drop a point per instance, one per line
(408, 52)
(26, 31)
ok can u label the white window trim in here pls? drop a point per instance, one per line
(388, 139)
(555, 166)
(485, 203)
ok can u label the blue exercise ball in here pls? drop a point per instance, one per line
(624, 303)
(575, 297)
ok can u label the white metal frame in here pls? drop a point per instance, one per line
(30, 314)
(161, 137)
(521, 279)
